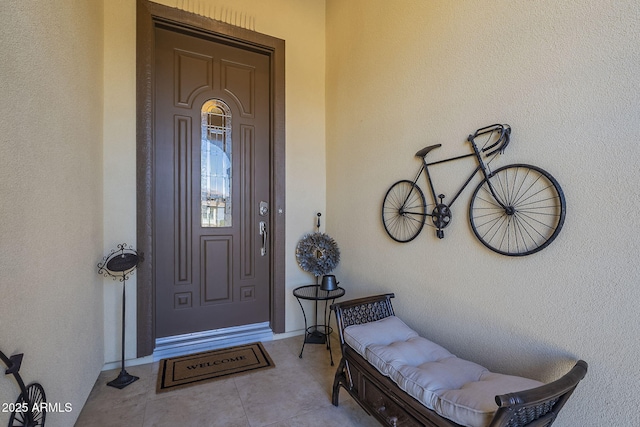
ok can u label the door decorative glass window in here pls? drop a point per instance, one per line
(215, 187)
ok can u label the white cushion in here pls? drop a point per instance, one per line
(457, 389)
(474, 403)
(427, 380)
(384, 331)
(414, 351)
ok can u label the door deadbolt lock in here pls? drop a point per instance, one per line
(263, 210)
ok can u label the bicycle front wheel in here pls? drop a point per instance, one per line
(524, 213)
(403, 211)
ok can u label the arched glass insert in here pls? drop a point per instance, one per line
(215, 187)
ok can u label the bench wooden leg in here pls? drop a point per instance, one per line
(340, 379)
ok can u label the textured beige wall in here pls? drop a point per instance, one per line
(405, 74)
(400, 76)
(119, 166)
(302, 25)
(51, 197)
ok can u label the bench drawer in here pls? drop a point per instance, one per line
(383, 407)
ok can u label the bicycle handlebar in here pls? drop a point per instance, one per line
(503, 139)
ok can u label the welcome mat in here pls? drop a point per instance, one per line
(182, 371)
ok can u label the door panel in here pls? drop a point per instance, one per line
(211, 171)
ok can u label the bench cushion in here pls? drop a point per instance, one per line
(388, 330)
(454, 388)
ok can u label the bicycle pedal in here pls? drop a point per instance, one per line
(440, 234)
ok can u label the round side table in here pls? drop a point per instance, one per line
(317, 334)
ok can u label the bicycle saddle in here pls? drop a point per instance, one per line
(425, 150)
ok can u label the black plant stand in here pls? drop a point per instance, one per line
(121, 263)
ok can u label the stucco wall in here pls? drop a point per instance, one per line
(119, 173)
(406, 74)
(302, 26)
(51, 301)
(400, 75)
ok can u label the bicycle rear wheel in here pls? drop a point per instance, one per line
(526, 214)
(403, 211)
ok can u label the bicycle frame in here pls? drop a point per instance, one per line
(425, 168)
(477, 153)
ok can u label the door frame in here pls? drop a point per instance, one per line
(148, 14)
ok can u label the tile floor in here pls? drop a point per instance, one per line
(296, 393)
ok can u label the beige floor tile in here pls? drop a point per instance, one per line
(213, 404)
(297, 392)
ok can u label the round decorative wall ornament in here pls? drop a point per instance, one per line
(318, 254)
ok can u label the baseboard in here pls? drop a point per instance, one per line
(127, 363)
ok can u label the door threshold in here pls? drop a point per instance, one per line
(179, 345)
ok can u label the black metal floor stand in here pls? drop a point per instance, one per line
(120, 264)
(124, 379)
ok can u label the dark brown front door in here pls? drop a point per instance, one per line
(211, 184)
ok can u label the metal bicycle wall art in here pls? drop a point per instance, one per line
(516, 210)
(30, 409)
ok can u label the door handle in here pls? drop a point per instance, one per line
(263, 233)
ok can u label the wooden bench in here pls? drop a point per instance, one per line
(381, 397)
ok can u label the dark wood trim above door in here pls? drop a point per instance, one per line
(148, 15)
